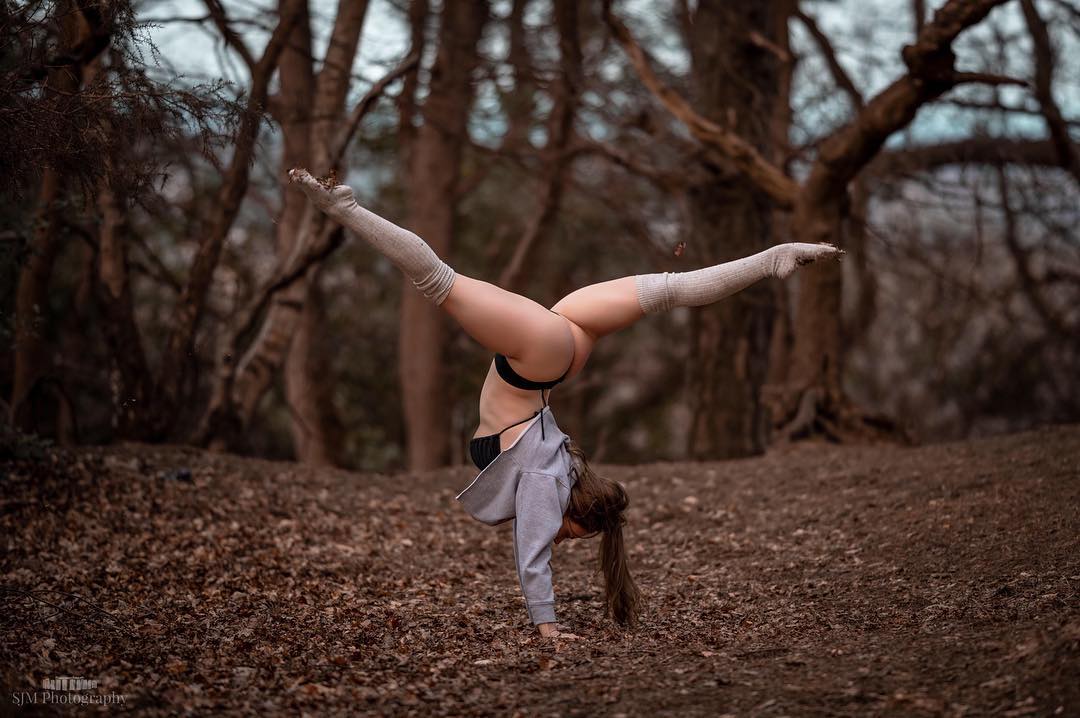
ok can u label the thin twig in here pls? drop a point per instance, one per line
(33, 596)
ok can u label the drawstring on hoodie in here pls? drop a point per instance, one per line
(542, 435)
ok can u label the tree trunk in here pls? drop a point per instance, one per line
(407, 107)
(820, 203)
(107, 288)
(30, 404)
(818, 353)
(307, 240)
(734, 80)
(863, 281)
(560, 125)
(316, 428)
(37, 396)
(434, 170)
(518, 102)
(782, 338)
(258, 366)
(318, 435)
(130, 383)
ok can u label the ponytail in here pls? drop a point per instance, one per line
(621, 595)
(599, 504)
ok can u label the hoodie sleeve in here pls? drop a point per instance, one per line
(539, 517)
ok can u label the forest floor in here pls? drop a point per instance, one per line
(816, 581)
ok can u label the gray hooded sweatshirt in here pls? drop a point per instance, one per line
(530, 483)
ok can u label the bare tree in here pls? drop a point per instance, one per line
(83, 31)
(179, 349)
(820, 203)
(433, 175)
(316, 133)
(310, 109)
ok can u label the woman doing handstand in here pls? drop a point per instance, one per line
(537, 476)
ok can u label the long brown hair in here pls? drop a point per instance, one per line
(599, 505)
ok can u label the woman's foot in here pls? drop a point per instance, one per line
(788, 257)
(335, 200)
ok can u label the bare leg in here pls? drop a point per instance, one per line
(600, 309)
(537, 341)
(596, 311)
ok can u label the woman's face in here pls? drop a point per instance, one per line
(570, 529)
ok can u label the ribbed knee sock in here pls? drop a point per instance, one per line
(412, 255)
(666, 290)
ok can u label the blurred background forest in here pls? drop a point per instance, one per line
(160, 282)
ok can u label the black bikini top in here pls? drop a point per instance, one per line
(484, 449)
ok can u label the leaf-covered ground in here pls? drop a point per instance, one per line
(819, 580)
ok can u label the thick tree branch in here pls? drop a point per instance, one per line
(330, 238)
(932, 46)
(930, 61)
(518, 102)
(333, 80)
(406, 101)
(769, 178)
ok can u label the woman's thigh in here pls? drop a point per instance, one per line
(596, 311)
(539, 341)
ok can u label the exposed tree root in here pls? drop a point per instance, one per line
(819, 412)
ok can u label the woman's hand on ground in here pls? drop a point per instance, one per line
(551, 630)
(547, 630)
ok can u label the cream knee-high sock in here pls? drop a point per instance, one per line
(666, 290)
(412, 255)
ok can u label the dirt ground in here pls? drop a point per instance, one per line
(816, 581)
